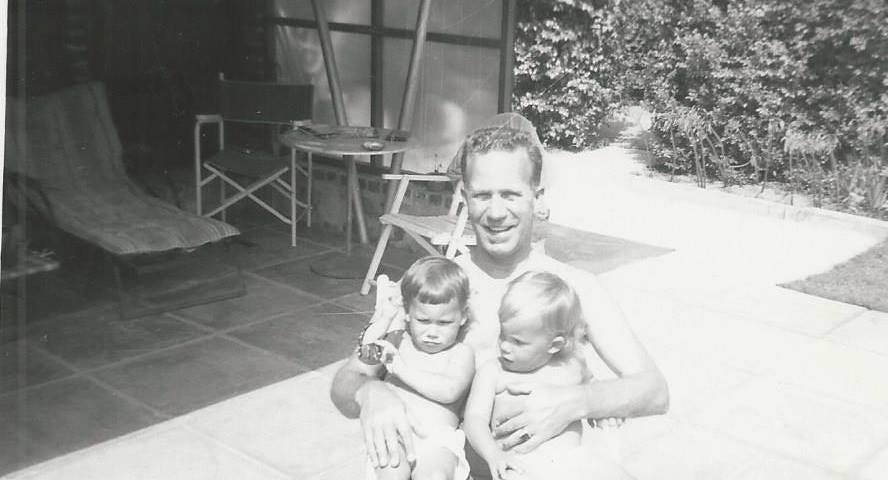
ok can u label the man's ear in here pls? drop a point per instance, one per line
(540, 209)
(557, 345)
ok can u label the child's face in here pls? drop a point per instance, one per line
(435, 327)
(525, 344)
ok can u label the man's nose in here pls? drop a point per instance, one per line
(497, 208)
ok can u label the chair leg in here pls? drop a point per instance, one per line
(377, 259)
(222, 200)
(308, 193)
(292, 197)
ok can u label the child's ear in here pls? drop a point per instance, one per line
(557, 345)
(465, 316)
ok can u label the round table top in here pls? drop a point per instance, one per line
(335, 140)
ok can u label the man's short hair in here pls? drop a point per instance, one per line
(502, 138)
(434, 280)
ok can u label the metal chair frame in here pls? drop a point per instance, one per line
(282, 175)
(436, 234)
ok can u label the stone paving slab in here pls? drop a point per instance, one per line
(772, 466)
(868, 331)
(855, 375)
(800, 424)
(292, 426)
(167, 451)
(786, 309)
(689, 452)
(876, 468)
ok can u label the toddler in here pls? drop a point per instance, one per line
(428, 367)
(541, 324)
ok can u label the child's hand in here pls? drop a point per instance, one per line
(613, 422)
(505, 467)
(391, 357)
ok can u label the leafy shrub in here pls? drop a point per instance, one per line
(747, 90)
(563, 76)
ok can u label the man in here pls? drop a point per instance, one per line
(501, 168)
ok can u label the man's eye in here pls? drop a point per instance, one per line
(481, 196)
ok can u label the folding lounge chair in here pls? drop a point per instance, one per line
(69, 144)
(433, 233)
(244, 170)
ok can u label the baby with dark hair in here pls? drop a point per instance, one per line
(429, 368)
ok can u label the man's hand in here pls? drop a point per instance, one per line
(386, 424)
(602, 423)
(547, 411)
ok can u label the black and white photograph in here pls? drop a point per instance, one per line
(444, 240)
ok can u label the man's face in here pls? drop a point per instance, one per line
(500, 199)
(435, 327)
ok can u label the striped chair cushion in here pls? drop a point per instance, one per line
(73, 150)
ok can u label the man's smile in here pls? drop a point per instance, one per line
(497, 230)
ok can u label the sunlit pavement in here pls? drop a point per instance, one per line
(765, 382)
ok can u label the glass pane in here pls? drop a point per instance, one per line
(458, 91)
(478, 18)
(300, 60)
(343, 11)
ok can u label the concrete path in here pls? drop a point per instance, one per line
(765, 382)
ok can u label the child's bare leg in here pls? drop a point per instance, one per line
(401, 472)
(435, 463)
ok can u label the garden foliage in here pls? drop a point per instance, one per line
(740, 91)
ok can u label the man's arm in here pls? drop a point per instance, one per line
(639, 390)
(442, 387)
(349, 379)
(358, 390)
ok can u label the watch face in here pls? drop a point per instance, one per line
(370, 353)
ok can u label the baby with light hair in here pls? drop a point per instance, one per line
(541, 328)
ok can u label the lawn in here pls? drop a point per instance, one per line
(862, 280)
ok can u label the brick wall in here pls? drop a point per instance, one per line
(329, 196)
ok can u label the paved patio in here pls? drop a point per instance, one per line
(765, 382)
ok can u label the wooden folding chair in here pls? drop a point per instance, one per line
(433, 233)
(273, 105)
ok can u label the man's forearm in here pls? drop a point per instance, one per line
(346, 384)
(635, 395)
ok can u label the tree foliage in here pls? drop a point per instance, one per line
(563, 76)
(747, 90)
